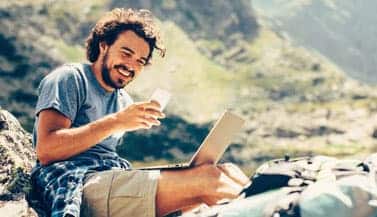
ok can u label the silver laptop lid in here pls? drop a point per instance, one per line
(218, 139)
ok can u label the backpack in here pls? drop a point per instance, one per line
(311, 186)
(317, 186)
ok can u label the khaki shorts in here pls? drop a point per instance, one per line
(119, 193)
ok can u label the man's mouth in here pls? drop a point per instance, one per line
(125, 72)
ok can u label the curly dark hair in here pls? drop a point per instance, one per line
(119, 20)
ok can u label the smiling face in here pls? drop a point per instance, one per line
(122, 61)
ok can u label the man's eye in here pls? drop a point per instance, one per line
(126, 54)
(141, 62)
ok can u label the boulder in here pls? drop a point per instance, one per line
(17, 158)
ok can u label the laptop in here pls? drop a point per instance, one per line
(213, 146)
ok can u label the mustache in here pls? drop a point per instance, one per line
(123, 67)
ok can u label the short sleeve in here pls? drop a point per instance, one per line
(62, 90)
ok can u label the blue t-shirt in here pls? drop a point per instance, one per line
(74, 91)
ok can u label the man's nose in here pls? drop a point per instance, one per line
(131, 69)
(131, 66)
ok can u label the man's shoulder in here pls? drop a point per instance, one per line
(68, 70)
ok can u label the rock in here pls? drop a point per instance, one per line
(16, 209)
(204, 20)
(15, 164)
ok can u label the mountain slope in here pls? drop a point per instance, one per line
(342, 30)
(210, 19)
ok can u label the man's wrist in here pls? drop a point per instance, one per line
(114, 124)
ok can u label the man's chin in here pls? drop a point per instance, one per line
(120, 85)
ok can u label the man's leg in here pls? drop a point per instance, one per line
(174, 192)
(147, 193)
(204, 184)
(136, 193)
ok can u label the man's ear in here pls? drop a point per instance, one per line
(103, 47)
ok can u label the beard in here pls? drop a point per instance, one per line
(105, 71)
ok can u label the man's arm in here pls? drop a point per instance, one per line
(57, 141)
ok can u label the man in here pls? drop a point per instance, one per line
(81, 114)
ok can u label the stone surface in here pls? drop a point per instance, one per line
(17, 158)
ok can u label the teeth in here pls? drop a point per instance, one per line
(124, 72)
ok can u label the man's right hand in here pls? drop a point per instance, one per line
(137, 116)
(224, 181)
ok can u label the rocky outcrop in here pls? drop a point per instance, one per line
(17, 158)
(212, 19)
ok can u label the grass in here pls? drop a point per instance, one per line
(271, 151)
(337, 105)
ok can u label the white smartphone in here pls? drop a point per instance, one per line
(161, 96)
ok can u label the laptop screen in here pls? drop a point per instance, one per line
(218, 139)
